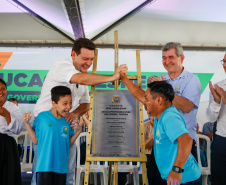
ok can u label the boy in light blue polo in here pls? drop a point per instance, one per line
(172, 144)
(54, 135)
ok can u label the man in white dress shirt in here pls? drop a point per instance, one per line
(72, 73)
(216, 111)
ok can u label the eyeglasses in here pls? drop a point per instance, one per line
(223, 61)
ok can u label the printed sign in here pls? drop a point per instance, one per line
(115, 124)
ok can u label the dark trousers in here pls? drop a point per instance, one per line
(50, 178)
(154, 177)
(10, 173)
(83, 153)
(196, 182)
(194, 150)
(218, 161)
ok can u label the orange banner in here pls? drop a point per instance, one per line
(4, 57)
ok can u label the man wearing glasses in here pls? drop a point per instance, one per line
(216, 111)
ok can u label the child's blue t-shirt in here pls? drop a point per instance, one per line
(53, 142)
(167, 129)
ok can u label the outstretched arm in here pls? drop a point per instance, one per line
(31, 132)
(184, 149)
(94, 79)
(133, 89)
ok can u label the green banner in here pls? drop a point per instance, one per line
(26, 85)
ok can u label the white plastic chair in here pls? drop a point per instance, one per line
(94, 167)
(25, 167)
(205, 170)
(128, 167)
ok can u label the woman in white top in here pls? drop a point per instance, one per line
(11, 123)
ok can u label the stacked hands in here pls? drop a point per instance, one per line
(74, 122)
(122, 69)
(218, 93)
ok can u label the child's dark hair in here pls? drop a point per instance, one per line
(3, 82)
(163, 89)
(58, 91)
(83, 43)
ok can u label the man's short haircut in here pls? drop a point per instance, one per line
(13, 99)
(58, 91)
(3, 82)
(176, 45)
(163, 89)
(83, 43)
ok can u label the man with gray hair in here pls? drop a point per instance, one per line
(186, 86)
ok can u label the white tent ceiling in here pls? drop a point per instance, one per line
(193, 23)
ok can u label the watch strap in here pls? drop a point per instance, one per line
(177, 169)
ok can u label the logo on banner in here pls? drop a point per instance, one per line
(116, 99)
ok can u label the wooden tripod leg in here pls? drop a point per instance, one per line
(115, 173)
(86, 181)
(144, 173)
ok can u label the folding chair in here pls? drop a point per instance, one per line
(205, 170)
(128, 167)
(25, 167)
(94, 167)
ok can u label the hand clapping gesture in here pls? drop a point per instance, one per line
(76, 126)
(221, 92)
(218, 93)
(154, 78)
(27, 116)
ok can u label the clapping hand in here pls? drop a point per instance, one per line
(76, 126)
(216, 95)
(221, 92)
(27, 116)
(154, 78)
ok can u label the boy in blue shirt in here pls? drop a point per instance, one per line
(54, 135)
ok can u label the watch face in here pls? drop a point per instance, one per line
(177, 169)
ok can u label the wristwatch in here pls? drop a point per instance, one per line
(177, 169)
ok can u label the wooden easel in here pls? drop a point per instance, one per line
(142, 158)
